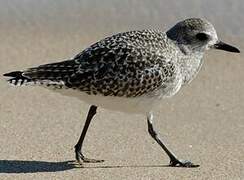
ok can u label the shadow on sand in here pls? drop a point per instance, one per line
(19, 166)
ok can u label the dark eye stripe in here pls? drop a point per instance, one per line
(202, 36)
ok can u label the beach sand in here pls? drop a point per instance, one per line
(204, 122)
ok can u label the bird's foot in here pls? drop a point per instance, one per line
(80, 158)
(182, 163)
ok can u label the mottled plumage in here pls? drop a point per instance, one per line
(129, 71)
(128, 64)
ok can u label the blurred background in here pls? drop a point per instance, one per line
(44, 26)
(204, 121)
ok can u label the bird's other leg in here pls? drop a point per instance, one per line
(78, 147)
(174, 161)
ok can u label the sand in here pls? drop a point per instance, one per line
(204, 122)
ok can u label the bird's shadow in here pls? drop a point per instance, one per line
(21, 166)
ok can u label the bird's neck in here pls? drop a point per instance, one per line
(189, 62)
(190, 65)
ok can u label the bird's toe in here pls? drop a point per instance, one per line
(182, 163)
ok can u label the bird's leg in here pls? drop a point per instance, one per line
(78, 147)
(174, 161)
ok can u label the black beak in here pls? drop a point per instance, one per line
(226, 47)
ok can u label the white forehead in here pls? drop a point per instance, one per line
(210, 30)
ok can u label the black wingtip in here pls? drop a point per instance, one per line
(17, 78)
(13, 74)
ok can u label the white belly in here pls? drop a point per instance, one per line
(137, 105)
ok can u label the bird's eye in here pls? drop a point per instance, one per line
(202, 36)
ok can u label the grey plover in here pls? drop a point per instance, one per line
(130, 72)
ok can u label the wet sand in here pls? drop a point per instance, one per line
(204, 122)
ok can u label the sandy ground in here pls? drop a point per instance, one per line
(204, 122)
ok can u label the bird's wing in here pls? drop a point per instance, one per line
(125, 64)
(116, 67)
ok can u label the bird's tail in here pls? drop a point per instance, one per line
(48, 74)
(17, 78)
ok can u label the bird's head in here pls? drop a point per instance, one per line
(197, 35)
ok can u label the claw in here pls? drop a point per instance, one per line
(182, 163)
(80, 158)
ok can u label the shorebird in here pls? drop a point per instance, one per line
(130, 72)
